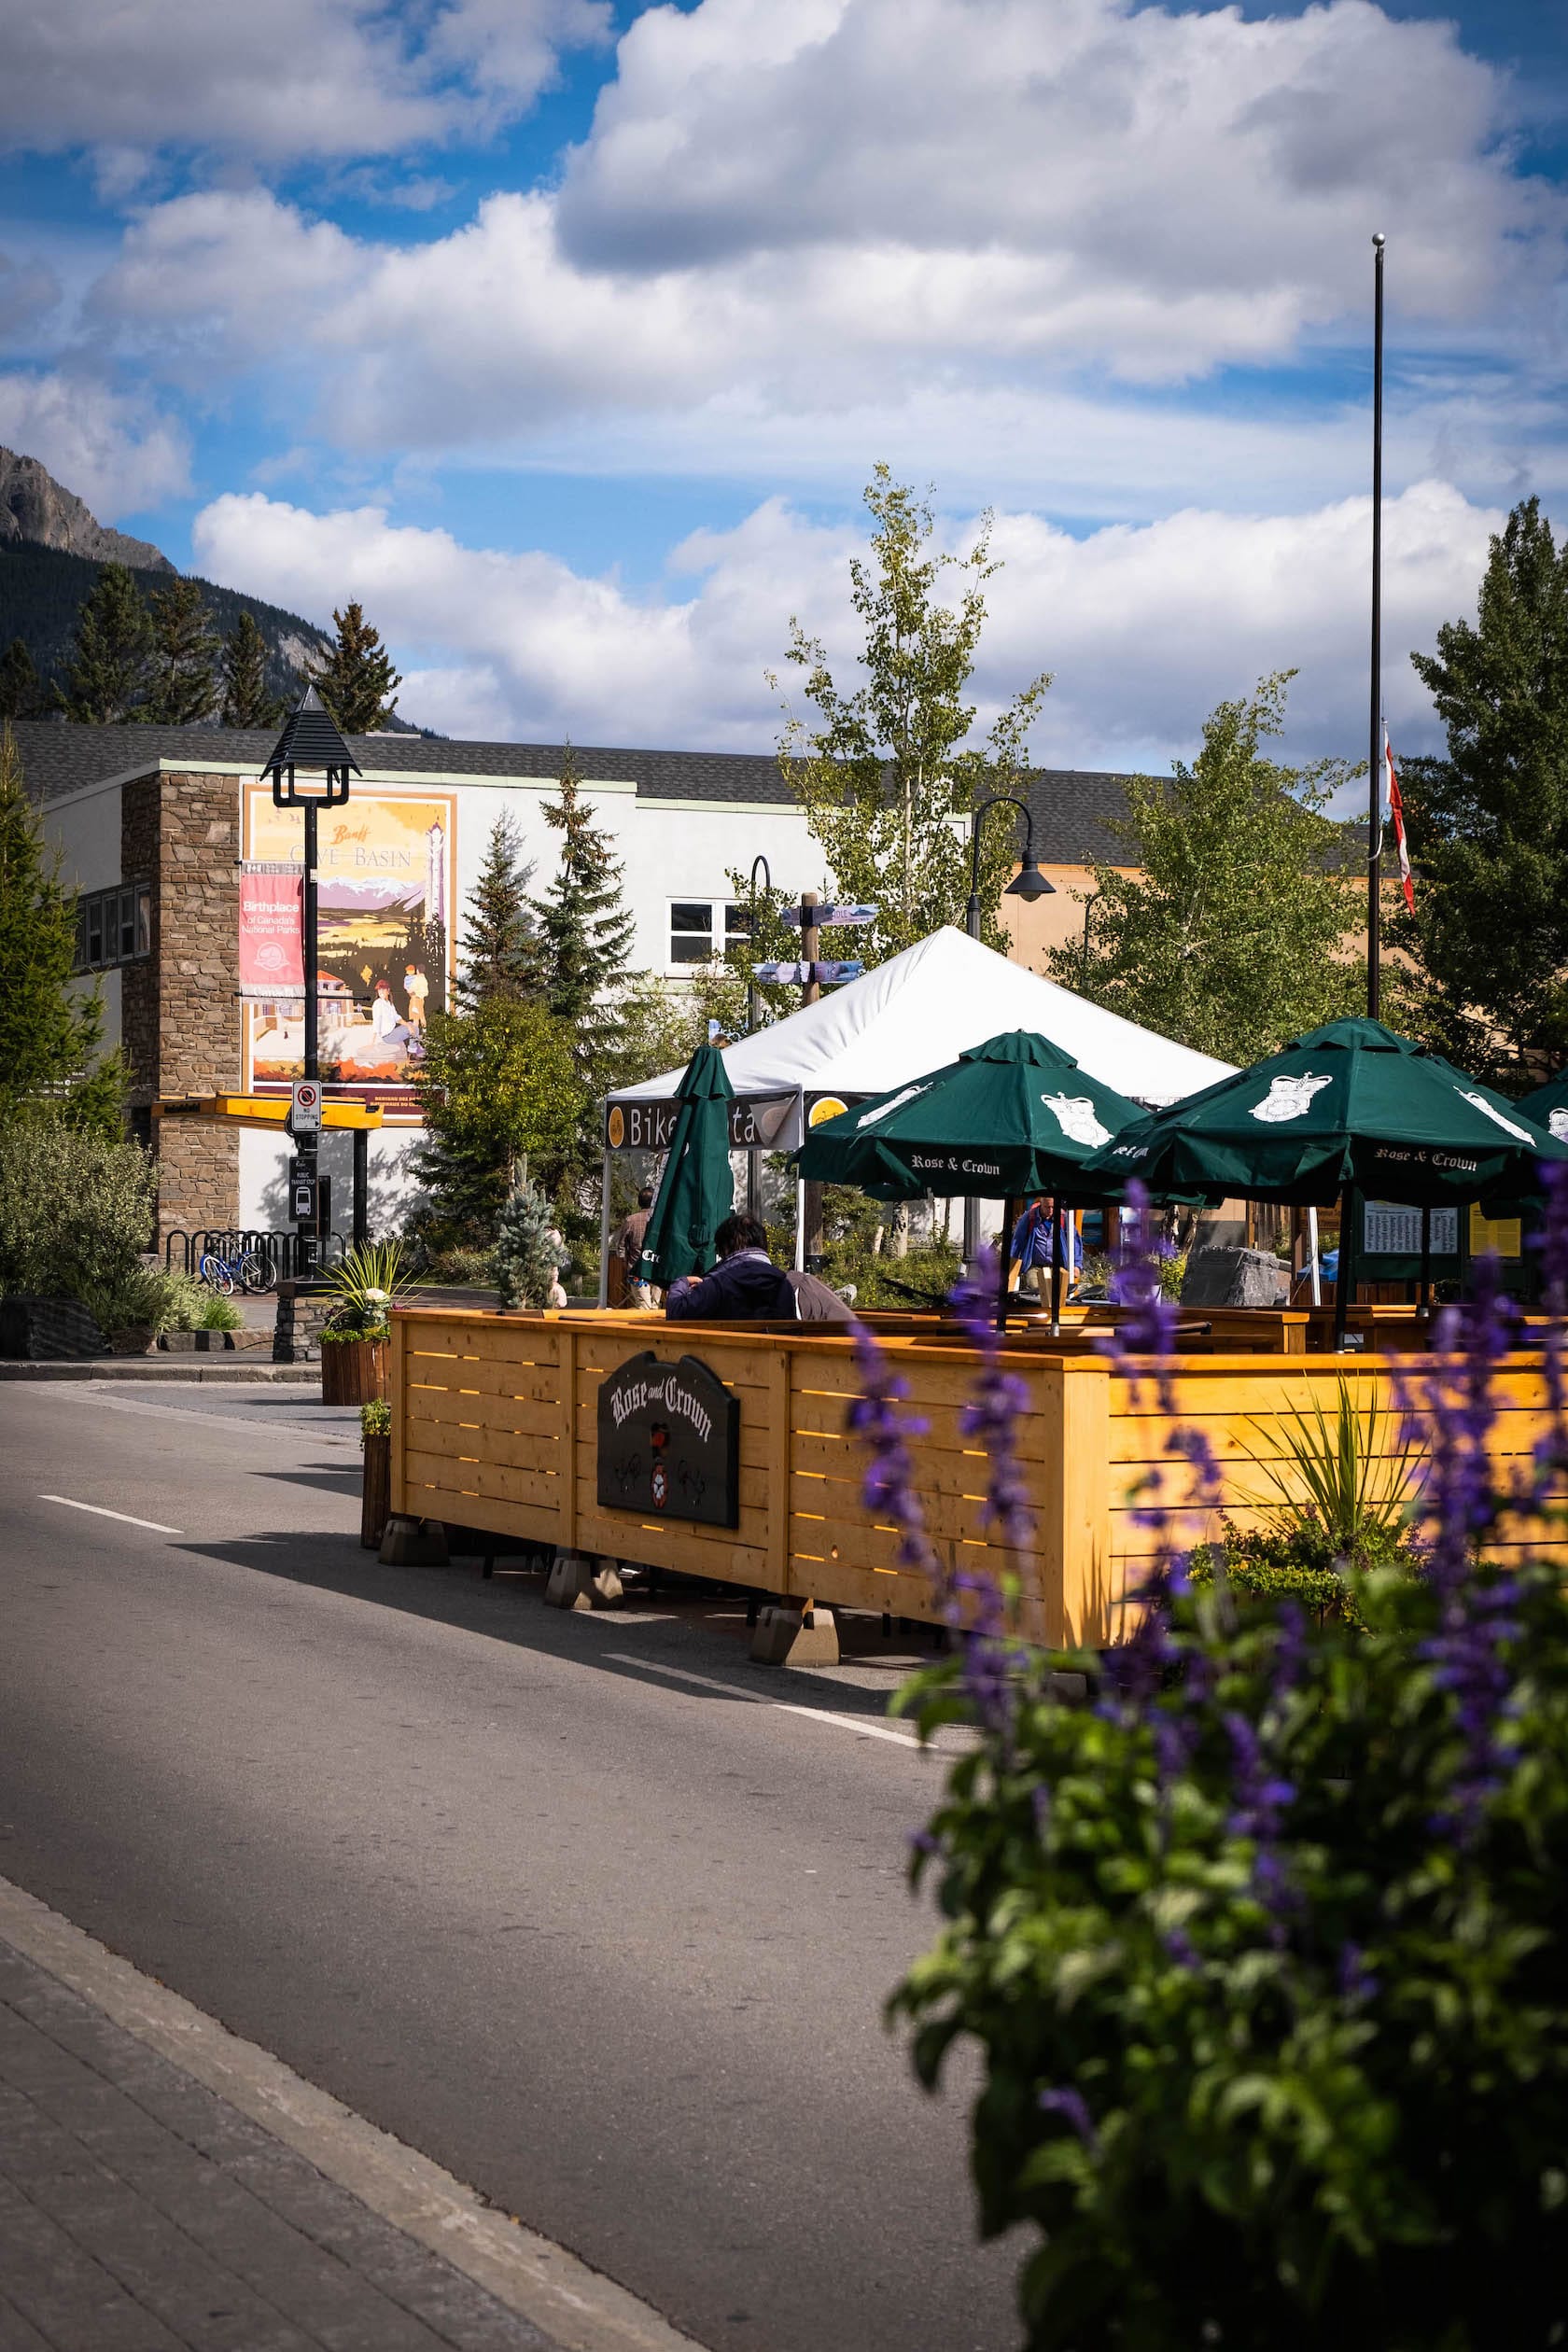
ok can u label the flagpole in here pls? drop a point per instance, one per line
(1374, 746)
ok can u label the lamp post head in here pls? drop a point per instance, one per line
(1029, 883)
(310, 740)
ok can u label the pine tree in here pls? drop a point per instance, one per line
(247, 700)
(1489, 825)
(106, 675)
(21, 691)
(585, 928)
(357, 678)
(529, 1251)
(185, 647)
(49, 1028)
(500, 955)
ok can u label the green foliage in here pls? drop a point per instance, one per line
(585, 928)
(1301, 1559)
(147, 1295)
(459, 1268)
(77, 1207)
(1488, 826)
(182, 684)
(499, 955)
(213, 1313)
(108, 671)
(248, 700)
(1227, 935)
(21, 690)
(1346, 2132)
(498, 1085)
(1359, 1472)
(364, 1284)
(50, 1027)
(42, 591)
(375, 1419)
(355, 678)
(529, 1250)
(889, 765)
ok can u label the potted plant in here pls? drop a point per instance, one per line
(375, 1437)
(356, 1359)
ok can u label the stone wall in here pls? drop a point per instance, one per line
(303, 1308)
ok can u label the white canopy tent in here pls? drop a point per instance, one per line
(910, 1016)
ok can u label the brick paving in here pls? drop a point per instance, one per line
(140, 2212)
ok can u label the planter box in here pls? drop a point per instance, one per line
(42, 1330)
(376, 1505)
(354, 1371)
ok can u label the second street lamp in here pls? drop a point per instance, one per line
(310, 742)
(1028, 883)
(753, 1007)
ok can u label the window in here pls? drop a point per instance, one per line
(113, 927)
(699, 928)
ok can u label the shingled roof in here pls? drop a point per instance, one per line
(1070, 805)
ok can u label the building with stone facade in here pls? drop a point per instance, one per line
(153, 822)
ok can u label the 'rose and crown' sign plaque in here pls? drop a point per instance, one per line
(669, 1442)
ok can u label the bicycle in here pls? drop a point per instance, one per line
(248, 1269)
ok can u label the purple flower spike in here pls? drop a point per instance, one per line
(1074, 2109)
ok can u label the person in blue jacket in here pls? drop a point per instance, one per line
(745, 1286)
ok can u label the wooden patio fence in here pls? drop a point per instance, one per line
(495, 1427)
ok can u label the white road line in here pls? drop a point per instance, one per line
(99, 1512)
(780, 1706)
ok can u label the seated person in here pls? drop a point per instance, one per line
(745, 1286)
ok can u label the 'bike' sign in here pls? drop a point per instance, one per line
(669, 1442)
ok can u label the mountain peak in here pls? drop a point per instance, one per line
(33, 505)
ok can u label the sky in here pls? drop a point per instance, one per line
(565, 334)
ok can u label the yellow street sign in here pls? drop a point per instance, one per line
(263, 1111)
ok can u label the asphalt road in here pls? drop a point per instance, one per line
(590, 1910)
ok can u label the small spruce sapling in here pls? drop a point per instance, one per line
(529, 1251)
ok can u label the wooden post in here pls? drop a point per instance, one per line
(780, 1394)
(1074, 1535)
(567, 1371)
(396, 1388)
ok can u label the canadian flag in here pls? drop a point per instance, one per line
(1396, 816)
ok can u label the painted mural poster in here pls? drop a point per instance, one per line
(386, 879)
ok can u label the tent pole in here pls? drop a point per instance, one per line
(1055, 1267)
(1350, 1201)
(604, 1233)
(1312, 1245)
(1005, 1262)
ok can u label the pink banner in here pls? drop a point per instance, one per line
(271, 922)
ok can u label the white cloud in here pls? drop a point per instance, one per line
(1144, 628)
(297, 78)
(113, 451)
(935, 230)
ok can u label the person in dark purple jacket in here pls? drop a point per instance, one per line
(745, 1286)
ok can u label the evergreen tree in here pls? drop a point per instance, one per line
(500, 955)
(498, 1085)
(1489, 825)
(585, 928)
(357, 678)
(21, 691)
(1227, 935)
(183, 686)
(50, 1027)
(247, 700)
(107, 671)
(529, 1251)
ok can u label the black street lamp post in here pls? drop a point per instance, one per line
(310, 741)
(1029, 883)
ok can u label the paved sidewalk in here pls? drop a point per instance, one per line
(140, 2212)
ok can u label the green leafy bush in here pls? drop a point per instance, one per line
(1276, 2049)
(1361, 1478)
(1302, 1562)
(375, 1419)
(76, 1209)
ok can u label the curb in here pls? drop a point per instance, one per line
(156, 1368)
(579, 2309)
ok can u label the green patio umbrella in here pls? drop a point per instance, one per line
(1013, 1117)
(1547, 1106)
(1352, 1108)
(696, 1191)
